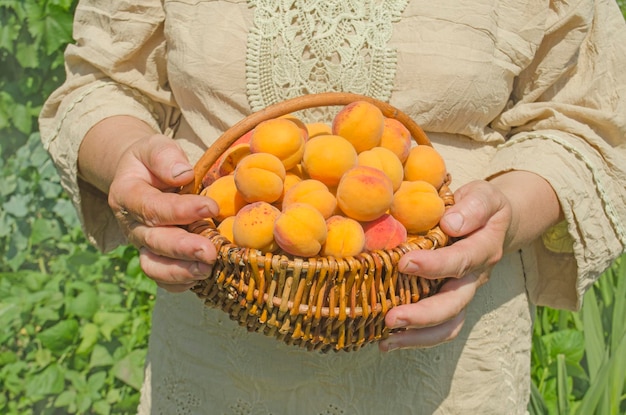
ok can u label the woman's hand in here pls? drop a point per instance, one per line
(140, 179)
(492, 218)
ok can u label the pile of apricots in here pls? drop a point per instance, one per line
(340, 189)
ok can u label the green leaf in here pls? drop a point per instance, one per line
(9, 32)
(66, 399)
(26, 55)
(130, 368)
(57, 27)
(102, 407)
(8, 184)
(60, 336)
(43, 357)
(100, 356)
(44, 229)
(96, 382)
(562, 386)
(569, 342)
(89, 334)
(618, 327)
(593, 334)
(84, 304)
(109, 321)
(49, 382)
(81, 258)
(18, 205)
(7, 357)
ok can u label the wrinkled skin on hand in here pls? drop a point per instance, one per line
(142, 196)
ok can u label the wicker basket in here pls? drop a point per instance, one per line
(321, 303)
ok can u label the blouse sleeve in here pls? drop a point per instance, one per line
(566, 121)
(115, 67)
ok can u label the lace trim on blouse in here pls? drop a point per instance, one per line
(297, 47)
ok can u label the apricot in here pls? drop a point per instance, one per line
(345, 237)
(385, 232)
(298, 170)
(318, 128)
(236, 148)
(425, 163)
(253, 227)
(327, 157)
(301, 125)
(397, 138)
(259, 177)
(291, 179)
(361, 123)
(225, 228)
(417, 206)
(281, 137)
(300, 230)
(385, 160)
(224, 192)
(364, 193)
(314, 193)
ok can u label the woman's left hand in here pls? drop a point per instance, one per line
(486, 216)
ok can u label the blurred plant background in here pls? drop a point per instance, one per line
(74, 322)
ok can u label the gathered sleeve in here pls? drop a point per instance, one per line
(115, 67)
(566, 121)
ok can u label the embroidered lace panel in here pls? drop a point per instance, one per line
(297, 47)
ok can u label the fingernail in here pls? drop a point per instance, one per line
(389, 347)
(201, 270)
(180, 168)
(454, 221)
(208, 211)
(410, 267)
(204, 257)
(399, 323)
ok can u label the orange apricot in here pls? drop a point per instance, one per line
(260, 177)
(327, 157)
(345, 237)
(224, 192)
(236, 148)
(291, 179)
(300, 230)
(361, 123)
(425, 163)
(318, 128)
(397, 138)
(225, 228)
(385, 232)
(364, 193)
(253, 226)
(314, 193)
(301, 125)
(417, 206)
(281, 137)
(385, 160)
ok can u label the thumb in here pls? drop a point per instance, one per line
(166, 161)
(474, 205)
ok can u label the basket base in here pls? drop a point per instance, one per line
(316, 304)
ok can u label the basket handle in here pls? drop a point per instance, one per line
(286, 107)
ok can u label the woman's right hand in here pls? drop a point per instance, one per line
(142, 196)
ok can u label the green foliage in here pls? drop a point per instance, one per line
(74, 332)
(74, 323)
(32, 33)
(622, 6)
(579, 359)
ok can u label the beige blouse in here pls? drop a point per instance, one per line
(536, 85)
